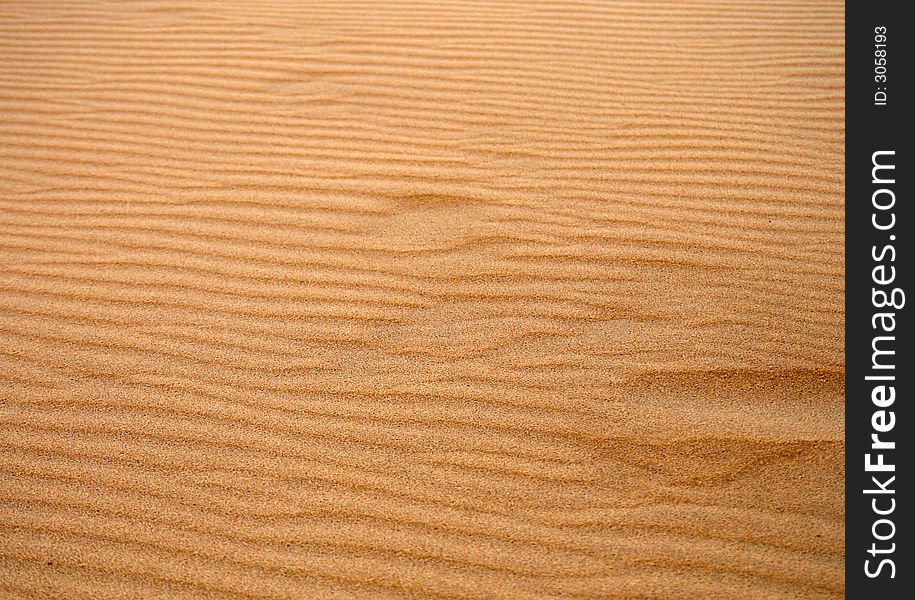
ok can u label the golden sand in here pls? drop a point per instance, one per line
(435, 299)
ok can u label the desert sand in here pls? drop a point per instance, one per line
(435, 299)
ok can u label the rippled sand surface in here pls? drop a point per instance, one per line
(435, 299)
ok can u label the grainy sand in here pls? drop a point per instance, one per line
(440, 299)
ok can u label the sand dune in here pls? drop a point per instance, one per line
(434, 299)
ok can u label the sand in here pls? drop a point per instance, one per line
(437, 299)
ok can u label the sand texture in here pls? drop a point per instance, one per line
(458, 299)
